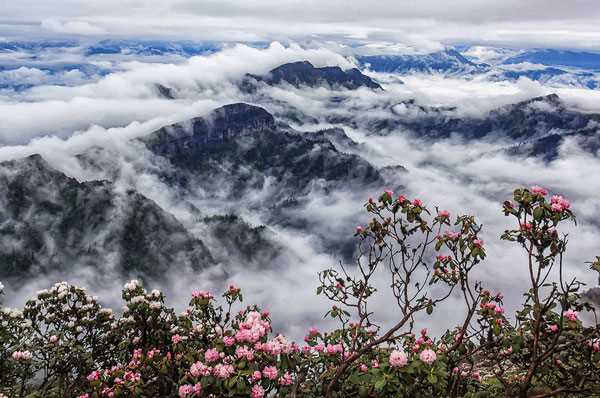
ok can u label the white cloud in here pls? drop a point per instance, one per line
(121, 98)
(72, 27)
(531, 23)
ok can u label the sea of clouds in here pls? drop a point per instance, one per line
(108, 111)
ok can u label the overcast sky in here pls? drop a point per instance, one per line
(419, 23)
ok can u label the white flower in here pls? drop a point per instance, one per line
(12, 313)
(138, 299)
(132, 284)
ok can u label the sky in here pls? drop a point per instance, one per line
(423, 24)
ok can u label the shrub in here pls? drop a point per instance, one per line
(64, 343)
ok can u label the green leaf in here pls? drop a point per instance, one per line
(380, 384)
(538, 213)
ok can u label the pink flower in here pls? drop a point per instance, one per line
(478, 243)
(244, 352)
(359, 229)
(417, 202)
(270, 372)
(570, 315)
(363, 368)
(318, 348)
(176, 338)
(199, 369)
(559, 203)
(221, 371)
(286, 379)
(228, 341)
(507, 351)
(444, 214)
(258, 391)
(334, 348)
(525, 226)
(22, 355)
(53, 338)
(398, 359)
(375, 363)
(451, 235)
(203, 294)
(401, 199)
(132, 376)
(389, 193)
(256, 376)
(536, 189)
(188, 390)
(313, 331)
(428, 356)
(211, 355)
(95, 375)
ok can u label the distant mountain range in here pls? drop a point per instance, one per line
(56, 62)
(552, 57)
(445, 62)
(552, 67)
(183, 48)
(50, 222)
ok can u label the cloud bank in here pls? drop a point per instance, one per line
(423, 24)
(61, 122)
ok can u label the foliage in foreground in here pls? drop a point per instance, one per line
(65, 344)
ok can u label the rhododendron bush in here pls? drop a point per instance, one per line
(63, 343)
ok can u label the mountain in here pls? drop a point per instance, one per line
(537, 127)
(181, 48)
(51, 223)
(550, 76)
(240, 156)
(533, 118)
(449, 62)
(553, 57)
(235, 237)
(533, 127)
(303, 73)
(241, 146)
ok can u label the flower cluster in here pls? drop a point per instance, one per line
(65, 343)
